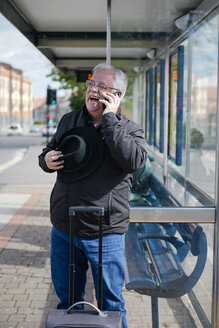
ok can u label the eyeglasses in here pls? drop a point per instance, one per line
(100, 86)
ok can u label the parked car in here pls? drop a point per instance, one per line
(15, 129)
(35, 128)
(51, 130)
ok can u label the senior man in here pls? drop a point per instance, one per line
(100, 175)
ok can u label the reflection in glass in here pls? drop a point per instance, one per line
(203, 289)
(175, 141)
(173, 104)
(151, 107)
(204, 105)
(138, 111)
(157, 107)
(147, 106)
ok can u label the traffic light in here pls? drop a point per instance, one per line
(51, 97)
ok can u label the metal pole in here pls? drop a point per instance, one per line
(166, 110)
(100, 265)
(108, 33)
(47, 124)
(72, 263)
(215, 289)
(155, 314)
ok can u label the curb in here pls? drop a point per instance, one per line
(19, 154)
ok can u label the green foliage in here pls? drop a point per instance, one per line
(197, 138)
(38, 122)
(77, 99)
(127, 102)
(66, 82)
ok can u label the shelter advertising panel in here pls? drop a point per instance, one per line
(176, 106)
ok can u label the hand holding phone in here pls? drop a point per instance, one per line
(113, 101)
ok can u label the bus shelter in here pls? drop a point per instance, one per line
(169, 49)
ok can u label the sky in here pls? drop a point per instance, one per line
(20, 53)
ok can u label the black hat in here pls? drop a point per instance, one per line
(82, 150)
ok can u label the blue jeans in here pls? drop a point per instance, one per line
(87, 250)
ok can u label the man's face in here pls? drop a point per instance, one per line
(93, 94)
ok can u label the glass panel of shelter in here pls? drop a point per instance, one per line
(191, 131)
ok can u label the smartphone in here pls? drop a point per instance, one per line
(104, 106)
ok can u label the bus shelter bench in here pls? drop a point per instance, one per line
(154, 260)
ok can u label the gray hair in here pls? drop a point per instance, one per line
(120, 78)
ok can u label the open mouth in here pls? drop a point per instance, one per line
(94, 97)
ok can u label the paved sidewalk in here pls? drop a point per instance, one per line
(26, 291)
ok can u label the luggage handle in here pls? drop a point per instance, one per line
(102, 314)
(74, 209)
(72, 213)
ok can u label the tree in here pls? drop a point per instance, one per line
(77, 98)
(197, 138)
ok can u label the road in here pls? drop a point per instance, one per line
(19, 160)
(15, 146)
(20, 174)
(21, 141)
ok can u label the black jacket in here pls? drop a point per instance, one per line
(109, 186)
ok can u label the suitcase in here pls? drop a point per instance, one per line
(84, 318)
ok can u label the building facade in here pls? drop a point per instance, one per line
(16, 98)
